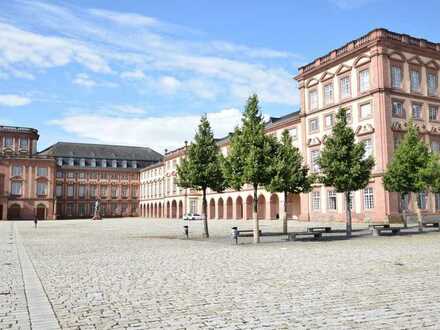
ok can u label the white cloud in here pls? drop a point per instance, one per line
(11, 100)
(84, 80)
(143, 48)
(136, 74)
(128, 109)
(156, 132)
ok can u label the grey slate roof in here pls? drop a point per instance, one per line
(101, 151)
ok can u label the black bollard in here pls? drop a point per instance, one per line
(234, 234)
(186, 231)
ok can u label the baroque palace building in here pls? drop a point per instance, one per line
(384, 79)
(66, 179)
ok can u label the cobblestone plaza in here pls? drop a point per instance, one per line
(142, 274)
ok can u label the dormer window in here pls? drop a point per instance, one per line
(24, 143)
(93, 163)
(60, 162)
(114, 163)
(124, 164)
(133, 164)
(9, 142)
(71, 162)
(82, 162)
(104, 163)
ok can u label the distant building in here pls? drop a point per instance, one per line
(383, 78)
(66, 179)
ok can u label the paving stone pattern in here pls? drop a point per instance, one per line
(135, 274)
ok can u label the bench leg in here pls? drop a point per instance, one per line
(376, 232)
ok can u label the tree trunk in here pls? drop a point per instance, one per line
(402, 203)
(285, 213)
(418, 213)
(348, 214)
(205, 214)
(255, 216)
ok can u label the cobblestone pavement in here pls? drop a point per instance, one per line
(141, 274)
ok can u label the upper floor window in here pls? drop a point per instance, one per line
(59, 190)
(365, 111)
(328, 94)
(81, 175)
(432, 83)
(415, 80)
(16, 188)
(41, 188)
(314, 156)
(114, 163)
(70, 191)
(9, 142)
(313, 99)
(104, 163)
(41, 171)
(294, 133)
(397, 109)
(433, 113)
(93, 162)
(435, 146)
(396, 76)
(17, 170)
(314, 125)
(345, 87)
(134, 164)
(124, 164)
(364, 80)
(368, 146)
(70, 175)
(82, 162)
(60, 162)
(328, 121)
(24, 143)
(59, 174)
(417, 111)
(71, 162)
(349, 116)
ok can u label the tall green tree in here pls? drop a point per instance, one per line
(250, 156)
(288, 174)
(408, 170)
(202, 167)
(343, 163)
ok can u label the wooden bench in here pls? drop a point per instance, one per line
(315, 234)
(319, 229)
(432, 224)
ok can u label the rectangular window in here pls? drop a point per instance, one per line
(81, 191)
(313, 100)
(124, 191)
(432, 83)
(41, 171)
(364, 80)
(396, 76)
(345, 87)
(433, 113)
(82, 162)
(81, 210)
(114, 191)
(23, 143)
(422, 199)
(328, 121)
(314, 125)
(9, 142)
(294, 133)
(416, 111)
(365, 111)
(435, 146)
(69, 210)
(17, 170)
(41, 188)
(314, 156)
(437, 201)
(349, 117)
(328, 94)
(70, 191)
(16, 188)
(368, 198)
(397, 109)
(415, 80)
(59, 174)
(331, 200)
(134, 191)
(368, 148)
(316, 200)
(103, 191)
(70, 175)
(92, 191)
(59, 190)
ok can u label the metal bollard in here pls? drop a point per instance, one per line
(186, 231)
(234, 234)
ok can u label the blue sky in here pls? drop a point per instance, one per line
(142, 72)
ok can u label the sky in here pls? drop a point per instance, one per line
(143, 72)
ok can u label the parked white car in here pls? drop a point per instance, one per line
(192, 216)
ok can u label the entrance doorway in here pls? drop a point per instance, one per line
(14, 212)
(41, 212)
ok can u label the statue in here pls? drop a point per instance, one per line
(97, 213)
